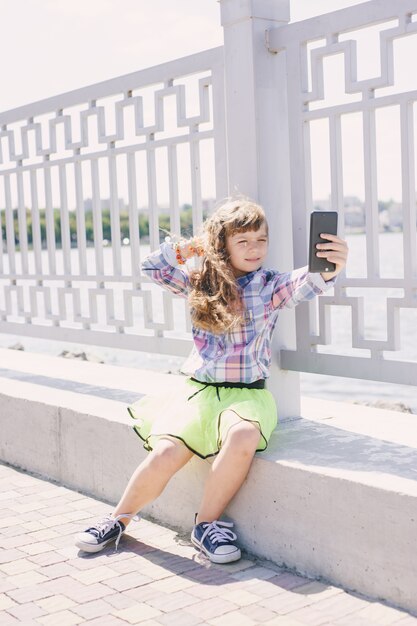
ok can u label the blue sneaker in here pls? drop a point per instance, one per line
(216, 541)
(97, 537)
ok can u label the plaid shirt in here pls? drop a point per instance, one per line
(244, 354)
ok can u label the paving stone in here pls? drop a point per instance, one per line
(241, 597)
(28, 507)
(9, 495)
(85, 593)
(55, 603)
(82, 563)
(127, 566)
(8, 620)
(311, 616)
(6, 602)
(47, 558)
(94, 575)
(262, 588)
(171, 584)
(204, 592)
(213, 607)
(255, 573)
(11, 555)
(285, 603)
(142, 594)
(26, 612)
(286, 581)
(233, 618)
(15, 541)
(353, 620)
(63, 618)
(58, 570)
(154, 572)
(318, 590)
(258, 613)
(108, 620)
(5, 585)
(181, 618)
(37, 548)
(341, 605)
(18, 567)
(126, 581)
(168, 602)
(27, 594)
(26, 579)
(120, 600)
(43, 535)
(76, 516)
(284, 621)
(407, 621)
(13, 531)
(93, 609)
(384, 615)
(236, 566)
(137, 613)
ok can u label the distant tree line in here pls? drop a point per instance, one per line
(164, 225)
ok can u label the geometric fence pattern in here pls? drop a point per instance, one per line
(137, 137)
(307, 46)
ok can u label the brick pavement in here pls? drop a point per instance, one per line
(155, 577)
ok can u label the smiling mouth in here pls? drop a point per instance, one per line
(252, 260)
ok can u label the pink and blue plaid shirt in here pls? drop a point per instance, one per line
(244, 354)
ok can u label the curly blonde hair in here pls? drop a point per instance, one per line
(215, 298)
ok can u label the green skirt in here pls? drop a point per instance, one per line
(200, 416)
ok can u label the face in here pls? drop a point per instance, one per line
(247, 250)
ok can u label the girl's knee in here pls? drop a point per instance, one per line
(243, 436)
(170, 453)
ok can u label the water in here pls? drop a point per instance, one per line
(327, 387)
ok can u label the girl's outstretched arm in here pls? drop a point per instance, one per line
(293, 287)
(290, 288)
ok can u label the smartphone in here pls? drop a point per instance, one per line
(321, 222)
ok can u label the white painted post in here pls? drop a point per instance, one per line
(258, 151)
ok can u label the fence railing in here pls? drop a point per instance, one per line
(65, 155)
(307, 45)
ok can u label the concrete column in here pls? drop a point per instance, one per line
(258, 149)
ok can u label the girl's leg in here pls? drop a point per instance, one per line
(228, 470)
(152, 475)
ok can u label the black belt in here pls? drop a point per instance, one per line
(256, 384)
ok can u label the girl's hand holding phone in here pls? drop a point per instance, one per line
(336, 252)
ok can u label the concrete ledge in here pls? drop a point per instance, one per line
(333, 497)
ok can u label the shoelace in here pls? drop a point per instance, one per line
(217, 534)
(106, 523)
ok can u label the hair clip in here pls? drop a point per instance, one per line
(180, 259)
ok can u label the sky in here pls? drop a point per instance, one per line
(53, 46)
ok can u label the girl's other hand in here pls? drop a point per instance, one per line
(336, 252)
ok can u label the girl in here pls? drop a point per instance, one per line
(224, 409)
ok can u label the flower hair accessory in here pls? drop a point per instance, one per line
(180, 259)
(194, 247)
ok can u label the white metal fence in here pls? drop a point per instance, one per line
(266, 86)
(70, 152)
(334, 34)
